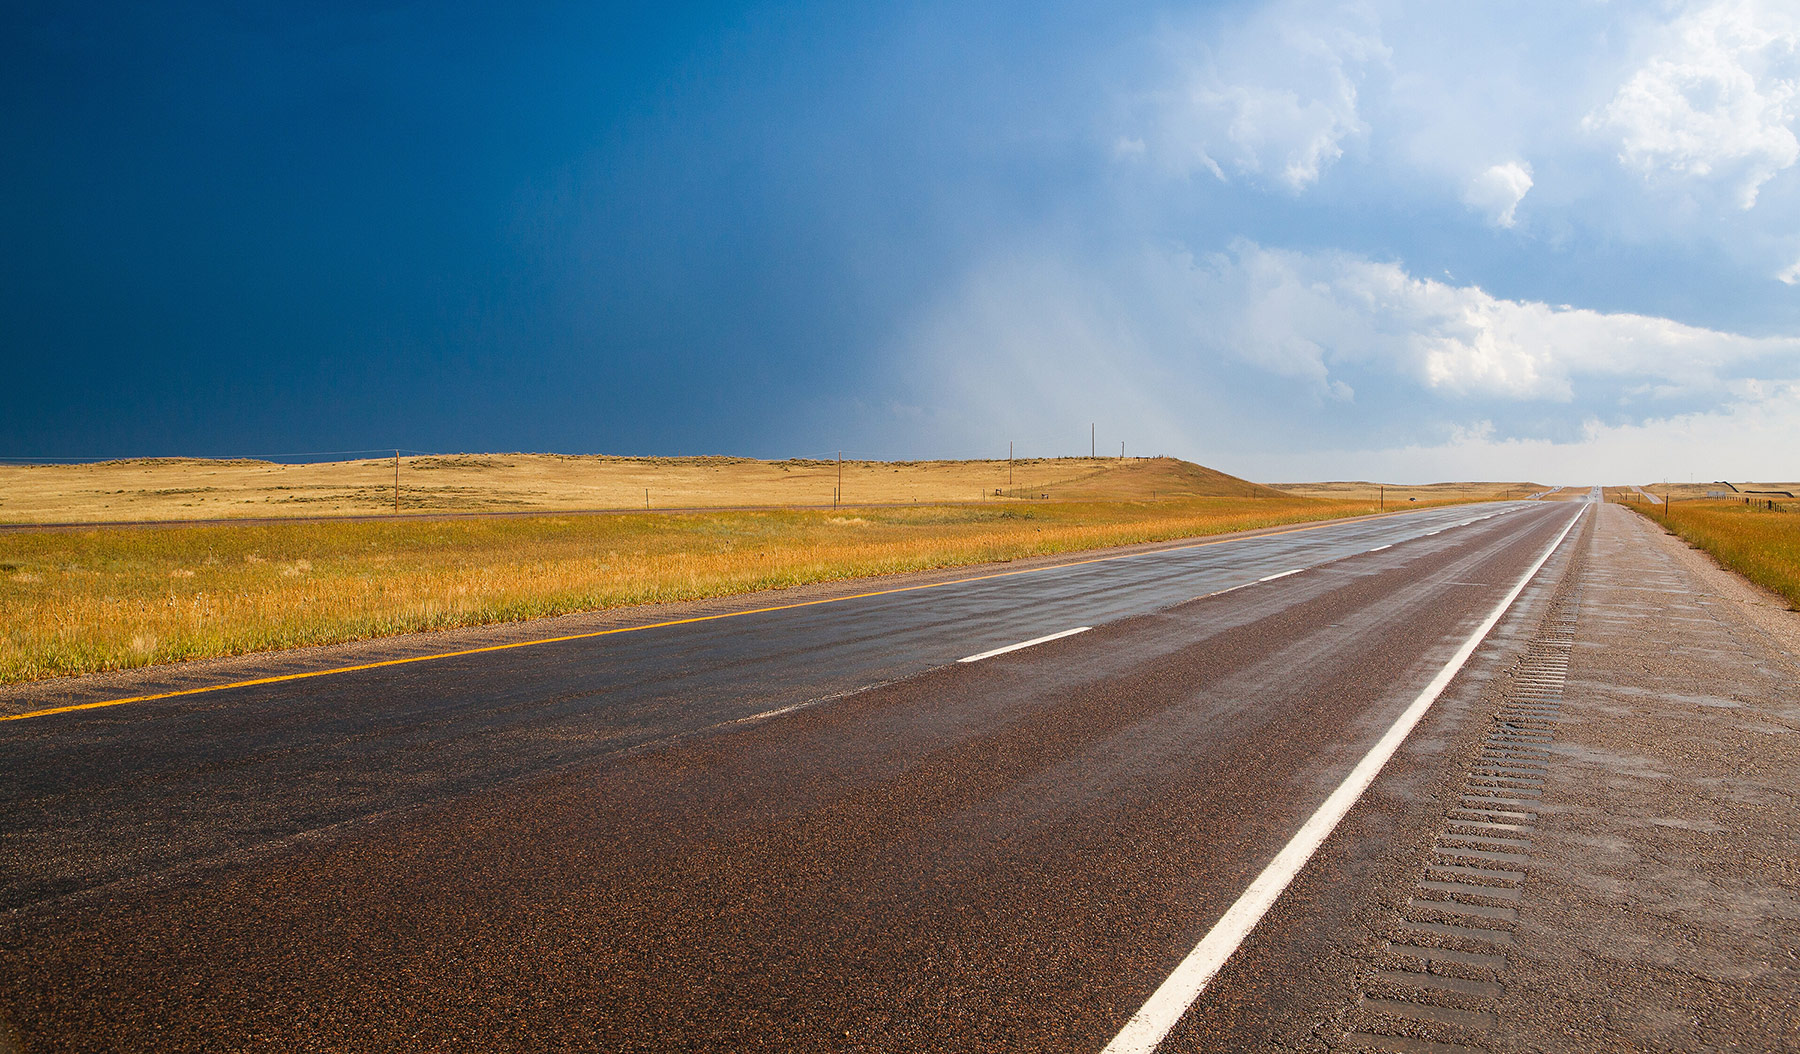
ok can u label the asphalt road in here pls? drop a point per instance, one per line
(796, 829)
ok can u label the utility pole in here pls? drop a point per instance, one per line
(1121, 450)
(839, 499)
(646, 497)
(396, 482)
(1009, 446)
(1092, 449)
(1383, 488)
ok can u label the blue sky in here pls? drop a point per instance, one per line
(1557, 241)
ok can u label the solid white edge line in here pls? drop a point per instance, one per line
(1026, 644)
(1148, 1027)
(1283, 574)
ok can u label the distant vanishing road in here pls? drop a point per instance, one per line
(809, 828)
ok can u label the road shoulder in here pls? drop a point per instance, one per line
(1662, 906)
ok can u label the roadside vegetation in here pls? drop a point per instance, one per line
(85, 600)
(1758, 538)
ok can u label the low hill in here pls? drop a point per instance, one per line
(1732, 491)
(1362, 490)
(191, 488)
(1130, 479)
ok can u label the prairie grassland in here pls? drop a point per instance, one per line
(1411, 495)
(1760, 543)
(1738, 490)
(84, 600)
(196, 489)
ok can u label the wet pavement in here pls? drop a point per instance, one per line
(1594, 849)
(815, 830)
(556, 848)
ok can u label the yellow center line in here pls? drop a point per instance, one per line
(277, 679)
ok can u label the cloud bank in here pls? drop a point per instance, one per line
(1230, 114)
(1284, 159)
(1647, 122)
(1277, 359)
(1716, 101)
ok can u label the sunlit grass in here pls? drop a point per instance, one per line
(1758, 542)
(83, 601)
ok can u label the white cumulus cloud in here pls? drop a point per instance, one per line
(1717, 101)
(1496, 193)
(1272, 99)
(1308, 314)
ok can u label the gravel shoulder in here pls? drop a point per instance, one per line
(1662, 908)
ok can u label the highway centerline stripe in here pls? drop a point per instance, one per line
(1379, 548)
(1153, 1021)
(766, 714)
(1026, 644)
(1280, 574)
(306, 674)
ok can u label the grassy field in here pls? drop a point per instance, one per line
(191, 489)
(1737, 491)
(1397, 495)
(82, 600)
(1756, 541)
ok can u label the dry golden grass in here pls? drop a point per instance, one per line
(1699, 491)
(1409, 495)
(1756, 541)
(81, 600)
(190, 489)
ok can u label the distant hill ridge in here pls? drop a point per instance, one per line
(156, 489)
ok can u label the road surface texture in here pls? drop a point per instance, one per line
(1662, 907)
(812, 828)
(1617, 868)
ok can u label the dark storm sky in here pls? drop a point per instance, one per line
(1291, 238)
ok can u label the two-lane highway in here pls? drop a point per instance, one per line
(808, 827)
